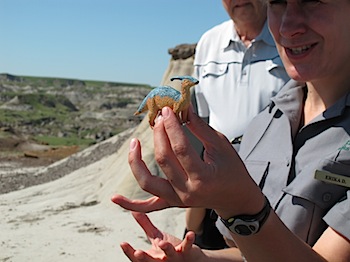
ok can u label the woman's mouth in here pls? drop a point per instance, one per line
(299, 50)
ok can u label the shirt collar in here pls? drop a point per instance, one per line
(294, 92)
(338, 108)
(231, 36)
(266, 36)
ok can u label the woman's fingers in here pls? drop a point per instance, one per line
(164, 153)
(168, 249)
(186, 244)
(150, 230)
(151, 204)
(155, 185)
(187, 174)
(136, 255)
(194, 180)
(128, 250)
(173, 151)
(209, 137)
(139, 168)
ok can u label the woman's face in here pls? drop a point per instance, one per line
(245, 11)
(312, 37)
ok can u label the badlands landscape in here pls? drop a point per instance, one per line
(60, 209)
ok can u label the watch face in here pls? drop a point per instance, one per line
(245, 228)
(246, 225)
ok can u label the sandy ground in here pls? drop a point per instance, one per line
(69, 217)
(63, 212)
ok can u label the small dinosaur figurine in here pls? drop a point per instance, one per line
(163, 96)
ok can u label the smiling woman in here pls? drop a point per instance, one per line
(304, 218)
(318, 43)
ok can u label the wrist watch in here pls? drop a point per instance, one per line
(246, 225)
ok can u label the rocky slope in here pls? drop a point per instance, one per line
(32, 106)
(37, 163)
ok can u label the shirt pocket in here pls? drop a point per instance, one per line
(258, 170)
(323, 194)
(268, 175)
(214, 70)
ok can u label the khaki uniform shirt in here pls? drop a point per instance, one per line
(283, 158)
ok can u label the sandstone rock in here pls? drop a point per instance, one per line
(182, 51)
(143, 132)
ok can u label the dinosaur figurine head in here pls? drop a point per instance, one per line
(186, 81)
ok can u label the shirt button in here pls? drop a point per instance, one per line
(327, 197)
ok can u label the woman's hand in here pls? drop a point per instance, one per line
(220, 181)
(164, 246)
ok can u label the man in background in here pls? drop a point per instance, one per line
(239, 70)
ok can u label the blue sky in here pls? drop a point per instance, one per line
(108, 40)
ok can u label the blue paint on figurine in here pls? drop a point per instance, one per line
(162, 91)
(162, 96)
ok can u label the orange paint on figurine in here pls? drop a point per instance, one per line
(163, 96)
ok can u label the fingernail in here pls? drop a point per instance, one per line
(165, 111)
(158, 119)
(133, 143)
